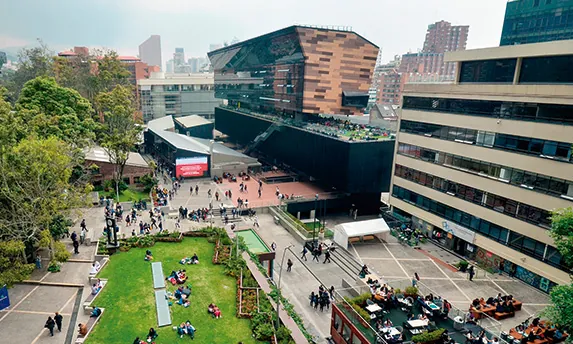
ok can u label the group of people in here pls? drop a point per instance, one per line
(214, 311)
(317, 252)
(148, 255)
(151, 335)
(177, 277)
(193, 260)
(502, 304)
(194, 215)
(182, 295)
(162, 195)
(186, 329)
(481, 338)
(539, 329)
(96, 287)
(51, 323)
(322, 298)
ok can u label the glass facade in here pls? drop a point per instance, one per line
(488, 71)
(525, 145)
(531, 181)
(521, 211)
(504, 236)
(549, 69)
(532, 21)
(264, 74)
(551, 113)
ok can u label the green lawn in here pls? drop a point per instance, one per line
(129, 300)
(311, 225)
(128, 195)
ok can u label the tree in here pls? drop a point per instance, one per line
(35, 186)
(120, 132)
(561, 309)
(12, 127)
(12, 268)
(52, 110)
(562, 233)
(32, 63)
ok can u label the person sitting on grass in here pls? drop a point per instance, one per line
(211, 308)
(148, 255)
(152, 334)
(186, 328)
(186, 291)
(183, 301)
(194, 259)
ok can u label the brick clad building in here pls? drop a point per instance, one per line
(297, 70)
(135, 168)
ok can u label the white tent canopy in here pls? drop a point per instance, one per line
(360, 229)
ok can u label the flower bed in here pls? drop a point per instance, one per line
(221, 253)
(165, 236)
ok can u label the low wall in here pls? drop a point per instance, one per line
(285, 223)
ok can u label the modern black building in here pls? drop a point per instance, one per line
(195, 126)
(533, 21)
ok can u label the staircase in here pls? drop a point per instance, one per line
(346, 262)
(217, 215)
(263, 136)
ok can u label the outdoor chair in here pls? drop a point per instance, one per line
(400, 329)
(369, 302)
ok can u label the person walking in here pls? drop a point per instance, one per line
(471, 272)
(326, 256)
(304, 252)
(256, 224)
(260, 192)
(76, 245)
(83, 235)
(289, 265)
(50, 323)
(191, 190)
(58, 319)
(331, 292)
(311, 298)
(74, 236)
(196, 189)
(315, 255)
(217, 196)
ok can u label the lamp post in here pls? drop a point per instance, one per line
(279, 285)
(314, 222)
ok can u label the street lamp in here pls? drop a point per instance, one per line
(314, 223)
(279, 285)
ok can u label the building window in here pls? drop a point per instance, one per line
(356, 340)
(548, 69)
(552, 113)
(488, 71)
(518, 242)
(346, 333)
(531, 181)
(336, 322)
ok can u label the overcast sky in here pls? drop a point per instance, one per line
(395, 26)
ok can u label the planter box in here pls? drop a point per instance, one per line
(169, 238)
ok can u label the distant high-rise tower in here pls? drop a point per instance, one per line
(532, 21)
(178, 59)
(442, 36)
(150, 51)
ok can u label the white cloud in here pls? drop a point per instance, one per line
(7, 41)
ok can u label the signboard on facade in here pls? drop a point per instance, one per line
(459, 231)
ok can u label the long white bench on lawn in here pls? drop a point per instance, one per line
(163, 313)
(158, 277)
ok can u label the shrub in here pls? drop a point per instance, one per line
(411, 291)
(54, 266)
(283, 334)
(61, 254)
(428, 336)
(362, 312)
(360, 299)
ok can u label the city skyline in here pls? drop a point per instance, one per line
(129, 23)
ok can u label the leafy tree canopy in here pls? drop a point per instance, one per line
(12, 269)
(562, 233)
(52, 110)
(35, 186)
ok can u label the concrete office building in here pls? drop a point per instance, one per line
(178, 95)
(150, 51)
(480, 163)
(533, 21)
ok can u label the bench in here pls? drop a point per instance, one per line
(162, 305)
(90, 325)
(501, 316)
(158, 278)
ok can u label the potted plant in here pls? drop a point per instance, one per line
(411, 291)
(463, 265)
(429, 337)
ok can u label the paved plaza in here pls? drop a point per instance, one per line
(45, 293)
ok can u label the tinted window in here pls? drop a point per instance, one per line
(488, 71)
(552, 69)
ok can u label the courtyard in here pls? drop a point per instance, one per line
(129, 300)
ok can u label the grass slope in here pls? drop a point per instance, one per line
(129, 299)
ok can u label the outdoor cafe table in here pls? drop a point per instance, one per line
(391, 331)
(432, 306)
(417, 323)
(373, 308)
